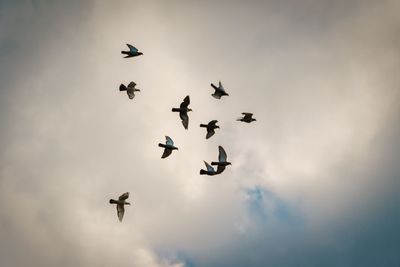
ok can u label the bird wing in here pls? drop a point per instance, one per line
(212, 123)
(124, 196)
(185, 119)
(169, 141)
(186, 102)
(247, 115)
(220, 169)
(220, 86)
(132, 85)
(166, 153)
(120, 211)
(132, 48)
(131, 93)
(209, 167)
(210, 133)
(222, 154)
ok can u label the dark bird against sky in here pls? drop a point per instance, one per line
(222, 160)
(211, 126)
(168, 147)
(121, 202)
(130, 89)
(183, 110)
(248, 117)
(219, 91)
(133, 52)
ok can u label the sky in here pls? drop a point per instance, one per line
(313, 182)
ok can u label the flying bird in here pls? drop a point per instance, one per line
(221, 163)
(130, 89)
(183, 110)
(168, 147)
(133, 52)
(211, 126)
(121, 202)
(210, 170)
(219, 91)
(248, 117)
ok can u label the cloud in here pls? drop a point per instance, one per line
(312, 183)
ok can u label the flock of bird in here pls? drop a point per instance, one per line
(169, 143)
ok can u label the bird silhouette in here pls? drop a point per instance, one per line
(222, 160)
(121, 202)
(210, 170)
(211, 126)
(183, 110)
(219, 91)
(130, 89)
(133, 52)
(248, 117)
(168, 147)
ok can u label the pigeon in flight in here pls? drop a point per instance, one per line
(210, 170)
(130, 89)
(211, 126)
(183, 110)
(168, 147)
(222, 163)
(219, 91)
(120, 204)
(133, 52)
(248, 117)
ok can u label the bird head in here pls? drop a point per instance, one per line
(127, 203)
(189, 109)
(140, 53)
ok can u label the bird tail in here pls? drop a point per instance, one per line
(203, 125)
(162, 145)
(175, 110)
(122, 87)
(214, 163)
(202, 172)
(125, 52)
(112, 201)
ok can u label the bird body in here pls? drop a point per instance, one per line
(130, 89)
(211, 126)
(222, 160)
(133, 52)
(183, 110)
(248, 117)
(168, 147)
(121, 202)
(219, 91)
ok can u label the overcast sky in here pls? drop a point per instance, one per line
(313, 182)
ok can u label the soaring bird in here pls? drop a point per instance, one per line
(133, 52)
(183, 110)
(221, 163)
(211, 126)
(210, 170)
(219, 91)
(248, 117)
(168, 147)
(120, 204)
(130, 89)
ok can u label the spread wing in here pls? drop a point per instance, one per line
(169, 141)
(209, 167)
(212, 123)
(220, 86)
(186, 102)
(222, 154)
(185, 119)
(120, 211)
(124, 196)
(132, 48)
(220, 169)
(166, 153)
(210, 133)
(247, 115)
(132, 85)
(131, 93)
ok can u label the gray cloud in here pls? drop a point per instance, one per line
(313, 183)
